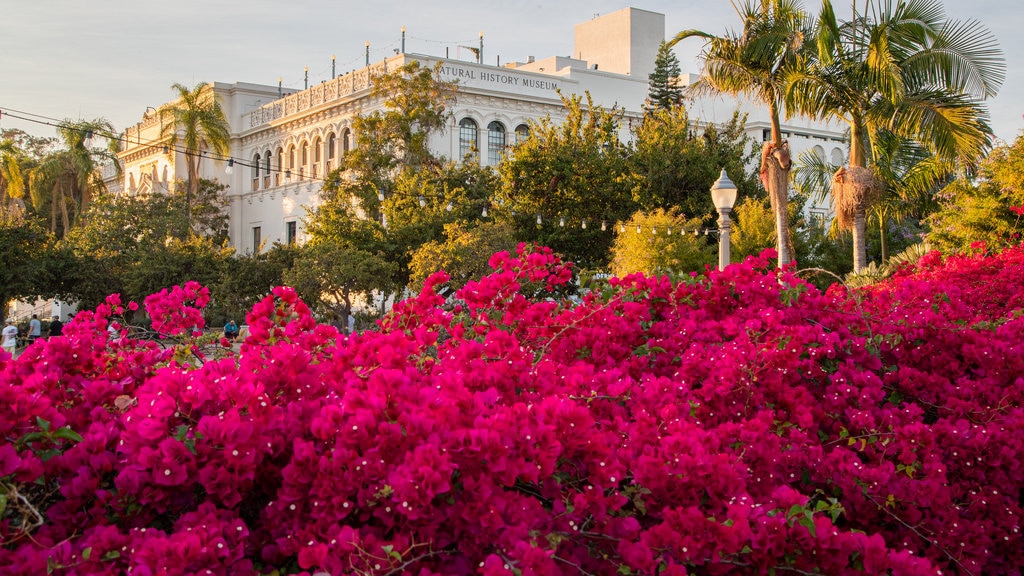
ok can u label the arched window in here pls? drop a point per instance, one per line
(331, 147)
(317, 156)
(820, 153)
(304, 157)
(280, 167)
(346, 141)
(256, 171)
(495, 143)
(467, 138)
(522, 133)
(837, 157)
(266, 169)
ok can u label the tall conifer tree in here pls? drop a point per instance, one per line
(663, 91)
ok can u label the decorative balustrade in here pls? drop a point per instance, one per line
(340, 87)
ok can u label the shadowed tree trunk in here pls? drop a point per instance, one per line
(854, 189)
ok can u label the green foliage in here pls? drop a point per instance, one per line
(979, 209)
(902, 75)
(246, 279)
(573, 171)
(874, 273)
(14, 169)
(65, 180)
(34, 147)
(195, 122)
(180, 260)
(663, 91)
(137, 245)
(654, 243)
(675, 164)
(332, 276)
(463, 252)
(25, 251)
(753, 228)
(394, 141)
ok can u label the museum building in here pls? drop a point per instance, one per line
(284, 142)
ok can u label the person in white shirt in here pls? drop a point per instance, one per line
(10, 336)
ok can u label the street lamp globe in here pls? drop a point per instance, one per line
(723, 194)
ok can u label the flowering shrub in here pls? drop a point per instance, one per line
(738, 422)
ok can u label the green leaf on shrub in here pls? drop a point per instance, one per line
(67, 433)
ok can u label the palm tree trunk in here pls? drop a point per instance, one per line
(192, 161)
(860, 254)
(881, 235)
(775, 167)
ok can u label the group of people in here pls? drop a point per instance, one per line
(9, 336)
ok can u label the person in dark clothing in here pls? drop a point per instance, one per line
(56, 327)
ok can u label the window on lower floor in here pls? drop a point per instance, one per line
(257, 238)
(495, 143)
(290, 231)
(468, 138)
(522, 133)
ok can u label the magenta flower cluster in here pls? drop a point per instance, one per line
(739, 422)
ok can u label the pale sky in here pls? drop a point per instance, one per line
(113, 58)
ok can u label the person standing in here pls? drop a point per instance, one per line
(56, 327)
(35, 329)
(10, 337)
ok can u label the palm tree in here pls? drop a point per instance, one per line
(12, 178)
(755, 64)
(899, 70)
(908, 174)
(65, 180)
(195, 121)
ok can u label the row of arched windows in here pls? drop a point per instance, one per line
(297, 161)
(497, 141)
(307, 158)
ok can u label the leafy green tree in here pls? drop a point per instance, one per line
(567, 173)
(133, 244)
(196, 122)
(34, 147)
(25, 252)
(13, 182)
(425, 201)
(392, 176)
(65, 180)
(675, 164)
(661, 242)
(987, 208)
(663, 90)
(394, 140)
(753, 228)
(463, 253)
(332, 276)
(901, 67)
(247, 279)
(755, 63)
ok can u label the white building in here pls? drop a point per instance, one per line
(289, 141)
